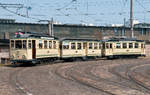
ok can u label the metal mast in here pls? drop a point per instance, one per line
(50, 27)
(131, 17)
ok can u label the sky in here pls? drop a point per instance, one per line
(96, 12)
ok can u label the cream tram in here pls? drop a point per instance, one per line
(32, 49)
(80, 48)
(119, 47)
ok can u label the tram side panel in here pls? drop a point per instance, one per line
(47, 49)
(130, 48)
(94, 49)
(72, 49)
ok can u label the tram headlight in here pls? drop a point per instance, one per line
(23, 57)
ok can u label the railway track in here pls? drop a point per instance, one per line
(15, 83)
(115, 84)
(128, 78)
(66, 72)
(140, 79)
(82, 74)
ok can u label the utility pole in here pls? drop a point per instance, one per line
(50, 27)
(124, 27)
(131, 18)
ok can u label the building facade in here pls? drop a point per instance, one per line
(8, 29)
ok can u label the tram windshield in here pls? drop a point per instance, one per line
(19, 44)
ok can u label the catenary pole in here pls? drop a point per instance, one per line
(131, 18)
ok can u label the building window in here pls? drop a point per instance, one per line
(90, 45)
(78, 45)
(18, 44)
(24, 44)
(12, 44)
(136, 45)
(73, 46)
(95, 45)
(116, 32)
(130, 45)
(118, 45)
(143, 31)
(123, 32)
(50, 44)
(45, 44)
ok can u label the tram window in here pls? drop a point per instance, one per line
(84, 45)
(78, 45)
(29, 43)
(12, 44)
(18, 44)
(142, 46)
(65, 46)
(73, 46)
(90, 45)
(118, 45)
(54, 44)
(45, 44)
(24, 44)
(95, 45)
(130, 45)
(136, 45)
(100, 46)
(103, 45)
(124, 45)
(110, 45)
(50, 44)
(107, 45)
(40, 44)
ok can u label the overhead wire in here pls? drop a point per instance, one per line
(66, 5)
(16, 13)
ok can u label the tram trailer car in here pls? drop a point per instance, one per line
(80, 49)
(114, 48)
(33, 50)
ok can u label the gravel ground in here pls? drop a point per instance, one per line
(43, 80)
(5, 86)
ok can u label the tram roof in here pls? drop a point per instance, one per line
(79, 39)
(26, 35)
(122, 39)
